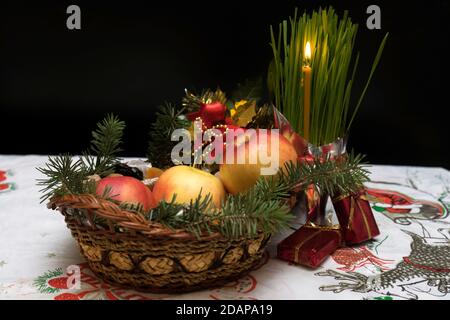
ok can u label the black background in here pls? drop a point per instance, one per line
(129, 57)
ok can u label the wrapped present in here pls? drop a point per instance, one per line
(355, 217)
(310, 245)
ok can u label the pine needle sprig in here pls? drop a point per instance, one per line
(344, 176)
(102, 155)
(168, 118)
(167, 213)
(68, 175)
(277, 187)
(241, 215)
(190, 216)
(64, 175)
(256, 210)
(106, 139)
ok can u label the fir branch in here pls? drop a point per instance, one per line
(168, 118)
(167, 213)
(190, 216)
(253, 211)
(105, 146)
(246, 214)
(344, 175)
(64, 175)
(106, 139)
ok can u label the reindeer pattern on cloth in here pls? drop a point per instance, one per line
(420, 212)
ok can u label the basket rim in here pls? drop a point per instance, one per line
(132, 222)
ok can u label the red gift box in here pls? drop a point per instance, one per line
(310, 245)
(355, 217)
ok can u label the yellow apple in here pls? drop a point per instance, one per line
(187, 183)
(238, 177)
(152, 173)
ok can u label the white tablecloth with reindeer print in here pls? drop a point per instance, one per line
(410, 259)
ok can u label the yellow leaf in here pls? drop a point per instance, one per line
(240, 103)
(245, 113)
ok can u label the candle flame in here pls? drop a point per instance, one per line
(308, 51)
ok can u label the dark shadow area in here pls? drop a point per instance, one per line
(130, 57)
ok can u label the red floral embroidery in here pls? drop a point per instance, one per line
(4, 186)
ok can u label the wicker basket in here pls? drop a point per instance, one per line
(131, 252)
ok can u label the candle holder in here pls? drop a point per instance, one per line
(330, 150)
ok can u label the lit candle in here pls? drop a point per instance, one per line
(307, 91)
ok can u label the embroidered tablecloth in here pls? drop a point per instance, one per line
(410, 259)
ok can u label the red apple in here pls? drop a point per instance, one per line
(127, 189)
(187, 182)
(238, 177)
(299, 143)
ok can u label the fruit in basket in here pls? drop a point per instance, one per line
(299, 143)
(153, 172)
(187, 183)
(238, 177)
(128, 190)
